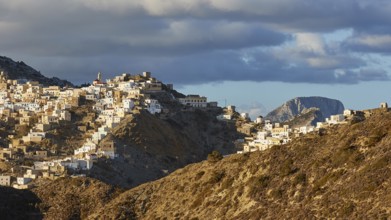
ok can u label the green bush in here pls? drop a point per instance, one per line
(214, 156)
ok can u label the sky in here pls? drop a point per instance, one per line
(255, 54)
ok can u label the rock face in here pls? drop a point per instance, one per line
(307, 118)
(19, 70)
(304, 105)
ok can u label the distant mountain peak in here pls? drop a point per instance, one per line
(20, 70)
(324, 107)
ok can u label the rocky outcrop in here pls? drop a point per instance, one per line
(303, 105)
(19, 70)
(308, 118)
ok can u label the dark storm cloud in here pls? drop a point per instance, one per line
(188, 41)
(258, 66)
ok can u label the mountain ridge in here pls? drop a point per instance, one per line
(20, 70)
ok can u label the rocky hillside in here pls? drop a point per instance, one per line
(307, 118)
(303, 105)
(343, 173)
(19, 70)
(151, 147)
(73, 198)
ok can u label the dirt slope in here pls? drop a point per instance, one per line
(150, 147)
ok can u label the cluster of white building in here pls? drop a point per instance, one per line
(42, 109)
(115, 99)
(276, 134)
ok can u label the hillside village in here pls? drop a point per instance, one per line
(36, 111)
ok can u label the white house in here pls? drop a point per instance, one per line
(23, 180)
(259, 120)
(153, 106)
(65, 115)
(125, 86)
(127, 104)
(244, 115)
(108, 112)
(32, 174)
(87, 147)
(306, 129)
(100, 134)
(224, 117)
(194, 101)
(34, 137)
(5, 180)
(70, 164)
(85, 164)
(90, 97)
(47, 119)
(41, 165)
(261, 135)
(321, 125)
(335, 119)
(347, 112)
(268, 126)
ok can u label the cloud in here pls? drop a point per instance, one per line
(198, 41)
(254, 109)
(373, 74)
(310, 50)
(380, 43)
(88, 33)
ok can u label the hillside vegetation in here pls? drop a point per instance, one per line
(73, 198)
(343, 172)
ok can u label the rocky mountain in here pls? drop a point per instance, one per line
(303, 105)
(342, 173)
(309, 117)
(19, 70)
